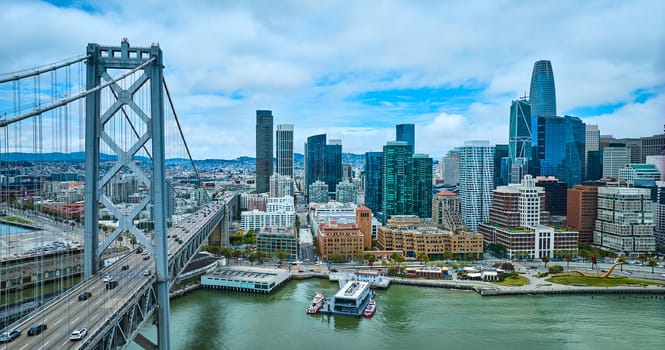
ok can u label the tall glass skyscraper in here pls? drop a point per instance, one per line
(373, 173)
(542, 95)
(476, 182)
(407, 133)
(284, 136)
(519, 137)
(501, 165)
(315, 155)
(263, 150)
(397, 179)
(333, 164)
(422, 185)
(542, 99)
(561, 148)
(592, 144)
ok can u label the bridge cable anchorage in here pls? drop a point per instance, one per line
(45, 70)
(177, 121)
(5, 122)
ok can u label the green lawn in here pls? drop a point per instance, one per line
(514, 281)
(16, 219)
(599, 281)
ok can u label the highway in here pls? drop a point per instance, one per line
(67, 313)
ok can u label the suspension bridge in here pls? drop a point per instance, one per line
(92, 161)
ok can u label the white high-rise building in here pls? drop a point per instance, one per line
(615, 157)
(280, 212)
(284, 143)
(345, 192)
(318, 192)
(625, 221)
(592, 143)
(450, 167)
(281, 185)
(476, 177)
(529, 202)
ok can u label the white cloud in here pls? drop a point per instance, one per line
(225, 59)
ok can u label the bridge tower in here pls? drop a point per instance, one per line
(103, 61)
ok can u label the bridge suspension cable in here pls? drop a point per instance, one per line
(177, 121)
(38, 111)
(34, 72)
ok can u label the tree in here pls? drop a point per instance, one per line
(119, 239)
(227, 252)
(622, 260)
(371, 258)
(360, 255)
(555, 269)
(423, 257)
(281, 255)
(545, 260)
(584, 254)
(567, 257)
(653, 263)
(133, 241)
(398, 259)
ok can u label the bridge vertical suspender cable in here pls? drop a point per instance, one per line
(177, 121)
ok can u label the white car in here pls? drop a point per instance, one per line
(78, 334)
(107, 278)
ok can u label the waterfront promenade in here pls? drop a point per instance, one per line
(537, 285)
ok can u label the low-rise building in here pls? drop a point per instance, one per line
(409, 234)
(270, 240)
(339, 239)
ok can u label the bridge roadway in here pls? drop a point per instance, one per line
(106, 309)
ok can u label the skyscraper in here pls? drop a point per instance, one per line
(284, 137)
(263, 150)
(519, 138)
(422, 185)
(625, 220)
(560, 150)
(315, 155)
(333, 164)
(450, 171)
(542, 95)
(542, 99)
(476, 181)
(397, 179)
(592, 143)
(373, 181)
(615, 157)
(501, 165)
(407, 133)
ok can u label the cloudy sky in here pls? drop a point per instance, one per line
(354, 69)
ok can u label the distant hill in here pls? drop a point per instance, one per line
(79, 157)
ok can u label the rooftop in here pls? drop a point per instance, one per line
(352, 290)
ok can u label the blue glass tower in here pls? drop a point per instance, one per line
(373, 183)
(542, 100)
(561, 148)
(542, 95)
(519, 138)
(333, 164)
(407, 133)
(501, 165)
(315, 155)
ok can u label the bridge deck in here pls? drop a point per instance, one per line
(104, 307)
